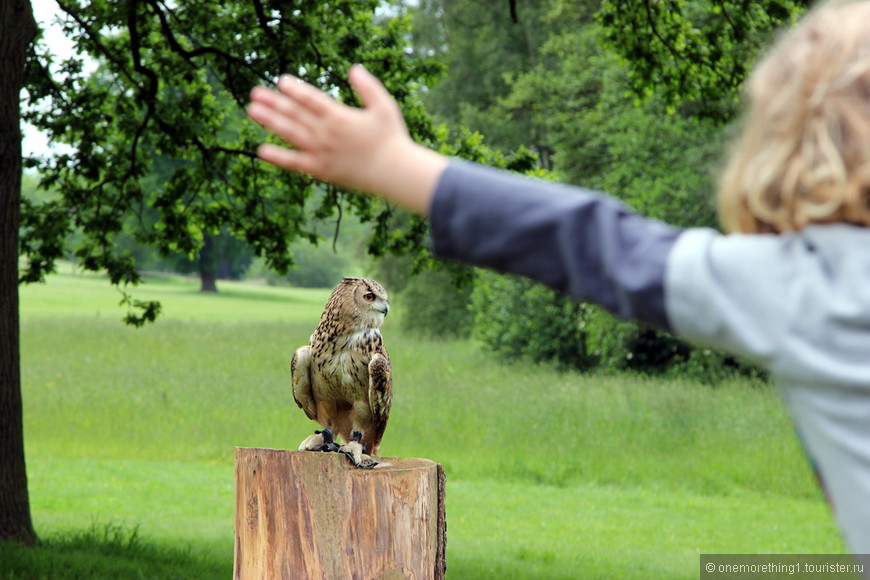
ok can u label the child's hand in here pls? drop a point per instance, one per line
(367, 149)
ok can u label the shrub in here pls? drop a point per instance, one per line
(518, 318)
(435, 303)
(628, 345)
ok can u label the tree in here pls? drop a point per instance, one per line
(482, 46)
(519, 319)
(603, 138)
(696, 53)
(165, 70)
(17, 30)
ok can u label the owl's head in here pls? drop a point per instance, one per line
(361, 299)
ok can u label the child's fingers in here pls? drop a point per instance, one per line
(310, 98)
(282, 104)
(272, 99)
(368, 87)
(288, 159)
(376, 98)
(285, 126)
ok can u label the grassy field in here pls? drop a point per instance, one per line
(130, 434)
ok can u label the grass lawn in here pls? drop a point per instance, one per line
(130, 437)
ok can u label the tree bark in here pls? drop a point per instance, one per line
(17, 29)
(208, 265)
(301, 514)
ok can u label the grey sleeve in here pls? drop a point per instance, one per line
(732, 292)
(576, 241)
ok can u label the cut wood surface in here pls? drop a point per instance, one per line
(309, 515)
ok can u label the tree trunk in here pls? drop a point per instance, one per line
(17, 29)
(208, 265)
(301, 514)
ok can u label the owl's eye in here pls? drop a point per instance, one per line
(369, 296)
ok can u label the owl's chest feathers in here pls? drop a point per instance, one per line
(343, 362)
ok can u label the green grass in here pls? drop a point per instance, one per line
(521, 530)
(90, 295)
(104, 551)
(130, 433)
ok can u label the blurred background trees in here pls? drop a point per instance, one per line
(632, 97)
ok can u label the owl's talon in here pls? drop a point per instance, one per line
(319, 441)
(356, 452)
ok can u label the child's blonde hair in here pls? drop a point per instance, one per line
(804, 154)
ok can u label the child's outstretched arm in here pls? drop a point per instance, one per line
(367, 149)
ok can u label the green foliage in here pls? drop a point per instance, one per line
(170, 84)
(693, 54)
(558, 96)
(711, 366)
(657, 161)
(663, 165)
(479, 45)
(434, 303)
(628, 346)
(139, 312)
(519, 319)
(316, 267)
(44, 231)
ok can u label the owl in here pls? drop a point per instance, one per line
(342, 378)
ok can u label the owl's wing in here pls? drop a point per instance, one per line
(300, 371)
(380, 394)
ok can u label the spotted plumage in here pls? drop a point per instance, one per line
(342, 378)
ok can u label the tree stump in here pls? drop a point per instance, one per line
(308, 515)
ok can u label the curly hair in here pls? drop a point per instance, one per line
(804, 153)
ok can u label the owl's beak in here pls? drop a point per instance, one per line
(383, 308)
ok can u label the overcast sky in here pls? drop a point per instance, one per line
(45, 12)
